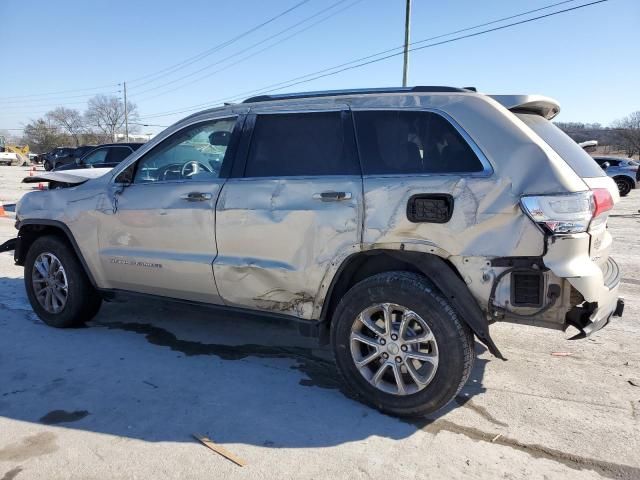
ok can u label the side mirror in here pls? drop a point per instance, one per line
(605, 165)
(126, 176)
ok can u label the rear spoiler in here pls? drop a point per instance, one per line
(538, 104)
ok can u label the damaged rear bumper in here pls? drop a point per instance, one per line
(9, 245)
(597, 284)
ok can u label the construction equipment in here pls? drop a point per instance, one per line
(13, 154)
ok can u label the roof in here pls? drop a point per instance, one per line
(357, 91)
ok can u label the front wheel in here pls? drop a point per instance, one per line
(400, 346)
(47, 165)
(57, 286)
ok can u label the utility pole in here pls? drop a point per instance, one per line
(407, 27)
(126, 114)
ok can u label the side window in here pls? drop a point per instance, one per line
(97, 156)
(301, 144)
(195, 153)
(117, 154)
(406, 142)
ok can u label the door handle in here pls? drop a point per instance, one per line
(196, 197)
(332, 196)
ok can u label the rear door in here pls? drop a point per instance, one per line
(157, 231)
(294, 207)
(422, 176)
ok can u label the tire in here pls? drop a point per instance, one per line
(47, 165)
(624, 186)
(82, 301)
(453, 345)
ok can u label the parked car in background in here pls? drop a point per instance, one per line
(103, 156)
(392, 223)
(624, 171)
(52, 157)
(71, 157)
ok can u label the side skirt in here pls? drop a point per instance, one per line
(306, 328)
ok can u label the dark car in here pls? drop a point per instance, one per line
(70, 159)
(103, 156)
(51, 159)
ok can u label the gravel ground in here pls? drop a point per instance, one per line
(121, 398)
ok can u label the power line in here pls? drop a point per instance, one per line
(371, 58)
(323, 19)
(60, 92)
(11, 108)
(170, 69)
(8, 103)
(206, 53)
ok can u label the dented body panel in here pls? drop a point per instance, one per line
(275, 244)
(277, 239)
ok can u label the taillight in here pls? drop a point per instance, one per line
(602, 205)
(603, 202)
(569, 213)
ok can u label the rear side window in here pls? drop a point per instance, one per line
(575, 156)
(301, 144)
(409, 142)
(117, 154)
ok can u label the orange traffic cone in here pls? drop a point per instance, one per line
(2, 212)
(31, 173)
(41, 186)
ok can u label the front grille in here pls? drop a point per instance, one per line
(527, 288)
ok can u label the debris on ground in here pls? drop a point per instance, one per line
(207, 442)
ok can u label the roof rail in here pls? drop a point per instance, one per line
(356, 91)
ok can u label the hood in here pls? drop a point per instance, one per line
(72, 177)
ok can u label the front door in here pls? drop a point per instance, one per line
(292, 210)
(157, 234)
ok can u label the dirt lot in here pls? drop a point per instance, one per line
(121, 398)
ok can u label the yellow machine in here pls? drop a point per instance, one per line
(21, 153)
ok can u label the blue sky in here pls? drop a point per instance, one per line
(586, 59)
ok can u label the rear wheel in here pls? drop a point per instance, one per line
(57, 286)
(400, 346)
(624, 186)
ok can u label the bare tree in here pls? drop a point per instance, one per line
(628, 133)
(41, 136)
(69, 121)
(106, 114)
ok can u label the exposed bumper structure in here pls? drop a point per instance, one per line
(9, 245)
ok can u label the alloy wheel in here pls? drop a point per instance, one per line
(394, 349)
(49, 282)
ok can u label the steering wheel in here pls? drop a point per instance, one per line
(195, 168)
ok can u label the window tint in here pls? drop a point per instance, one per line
(117, 154)
(301, 144)
(97, 156)
(195, 153)
(405, 142)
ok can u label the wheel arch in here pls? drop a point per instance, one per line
(32, 229)
(437, 270)
(626, 178)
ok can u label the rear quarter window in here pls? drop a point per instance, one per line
(412, 142)
(575, 156)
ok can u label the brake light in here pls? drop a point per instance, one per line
(602, 200)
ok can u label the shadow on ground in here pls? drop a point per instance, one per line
(159, 371)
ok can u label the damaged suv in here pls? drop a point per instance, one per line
(395, 224)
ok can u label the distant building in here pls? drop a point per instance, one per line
(134, 137)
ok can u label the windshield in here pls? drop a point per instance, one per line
(561, 143)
